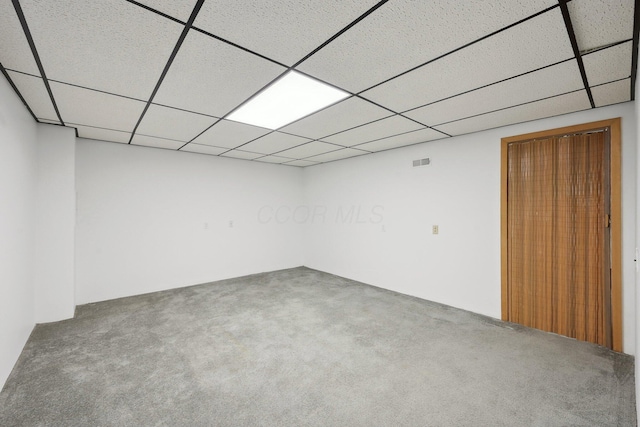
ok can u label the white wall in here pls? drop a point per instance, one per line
(18, 159)
(390, 245)
(55, 224)
(150, 219)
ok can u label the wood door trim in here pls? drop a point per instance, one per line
(616, 215)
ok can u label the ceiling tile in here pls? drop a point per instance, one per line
(607, 65)
(101, 134)
(274, 142)
(410, 138)
(301, 163)
(342, 116)
(35, 93)
(110, 45)
(612, 93)
(174, 124)
(308, 150)
(226, 133)
(382, 128)
(203, 149)
(283, 30)
(405, 33)
(15, 52)
(344, 153)
(88, 107)
(274, 159)
(212, 77)
(178, 9)
(556, 106)
(597, 23)
(238, 154)
(551, 81)
(536, 43)
(152, 141)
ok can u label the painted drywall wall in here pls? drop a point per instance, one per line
(637, 263)
(373, 217)
(150, 219)
(18, 160)
(55, 224)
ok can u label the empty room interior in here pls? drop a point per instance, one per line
(362, 212)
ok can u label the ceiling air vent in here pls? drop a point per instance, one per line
(421, 162)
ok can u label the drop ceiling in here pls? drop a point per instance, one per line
(167, 74)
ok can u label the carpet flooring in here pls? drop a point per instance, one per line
(303, 348)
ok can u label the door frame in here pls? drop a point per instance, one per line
(616, 215)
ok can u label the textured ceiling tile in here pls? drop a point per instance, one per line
(344, 153)
(88, 107)
(151, 141)
(173, 124)
(274, 142)
(274, 159)
(238, 154)
(301, 163)
(342, 116)
(15, 52)
(178, 9)
(600, 22)
(551, 81)
(405, 33)
(211, 77)
(410, 138)
(101, 134)
(308, 150)
(203, 149)
(609, 64)
(284, 30)
(536, 43)
(382, 128)
(612, 93)
(230, 134)
(110, 45)
(35, 93)
(556, 106)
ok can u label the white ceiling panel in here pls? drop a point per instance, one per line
(382, 128)
(533, 44)
(410, 138)
(344, 115)
(212, 77)
(35, 93)
(607, 65)
(238, 154)
(344, 153)
(274, 159)
(178, 9)
(101, 134)
(204, 149)
(597, 23)
(301, 163)
(226, 133)
(173, 124)
(405, 33)
(308, 150)
(551, 81)
(15, 52)
(612, 93)
(88, 107)
(283, 30)
(274, 142)
(152, 141)
(556, 106)
(110, 45)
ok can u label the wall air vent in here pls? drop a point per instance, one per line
(421, 162)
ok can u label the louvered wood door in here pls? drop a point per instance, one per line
(558, 228)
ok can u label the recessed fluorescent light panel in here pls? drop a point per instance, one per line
(291, 97)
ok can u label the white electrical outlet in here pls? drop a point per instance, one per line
(434, 229)
(230, 224)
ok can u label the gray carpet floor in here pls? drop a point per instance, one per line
(303, 348)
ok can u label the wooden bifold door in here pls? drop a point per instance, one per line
(557, 244)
